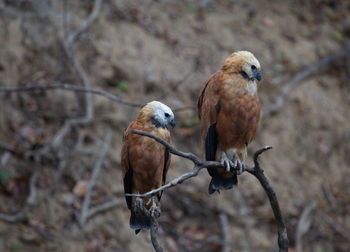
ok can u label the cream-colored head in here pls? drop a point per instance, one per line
(243, 63)
(159, 114)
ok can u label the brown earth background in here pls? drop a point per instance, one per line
(165, 50)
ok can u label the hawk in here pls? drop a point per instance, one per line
(145, 162)
(229, 113)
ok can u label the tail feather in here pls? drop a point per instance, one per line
(139, 221)
(218, 183)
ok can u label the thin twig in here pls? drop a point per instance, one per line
(307, 72)
(200, 164)
(69, 87)
(81, 73)
(304, 224)
(225, 226)
(259, 174)
(104, 207)
(96, 170)
(154, 225)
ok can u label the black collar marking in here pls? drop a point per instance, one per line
(158, 124)
(244, 75)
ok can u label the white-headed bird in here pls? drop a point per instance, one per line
(229, 113)
(145, 162)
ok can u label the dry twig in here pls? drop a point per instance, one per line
(199, 164)
(225, 226)
(73, 88)
(307, 72)
(96, 170)
(104, 207)
(154, 225)
(304, 224)
(82, 75)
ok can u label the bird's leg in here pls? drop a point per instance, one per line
(154, 209)
(237, 164)
(225, 161)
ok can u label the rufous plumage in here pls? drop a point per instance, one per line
(229, 112)
(145, 162)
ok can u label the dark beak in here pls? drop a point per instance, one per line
(172, 123)
(257, 74)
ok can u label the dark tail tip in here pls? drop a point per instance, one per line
(218, 183)
(139, 221)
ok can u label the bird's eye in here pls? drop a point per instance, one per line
(253, 67)
(166, 114)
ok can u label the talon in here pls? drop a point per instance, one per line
(154, 209)
(238, 166)
(226, 162)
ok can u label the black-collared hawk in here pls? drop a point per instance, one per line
(229, 113)
(145, 162)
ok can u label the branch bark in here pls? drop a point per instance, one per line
(307, 72)
(154, 226)
(68, 44)
(73, 88)
(200, 164)
(97, 167)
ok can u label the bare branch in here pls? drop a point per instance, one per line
(307, 72)
(73, 88)
(82, 75)
(97, 167)
(259, 174)
(200, 164)
(85, 23)
(304, 224)
(104, 207)
(225, 226)
(154, 225)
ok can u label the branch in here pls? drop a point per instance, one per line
(200, 164)
(73, 88)
(259, 174)
(154, 225)
(104, 207)
(307, 72)
(82, 75)
(97, 167)
(225, 232)
(303, 225)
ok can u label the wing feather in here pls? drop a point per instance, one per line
(126, 167)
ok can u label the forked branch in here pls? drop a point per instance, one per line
(199, 164)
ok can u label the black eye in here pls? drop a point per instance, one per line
(166, 114)
(253, 67)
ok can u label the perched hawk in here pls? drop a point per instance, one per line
(145, 162)
(229, 113)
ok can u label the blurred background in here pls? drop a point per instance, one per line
(60, 175)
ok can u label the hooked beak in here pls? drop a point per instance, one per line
(172, 123)
(257, 74)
